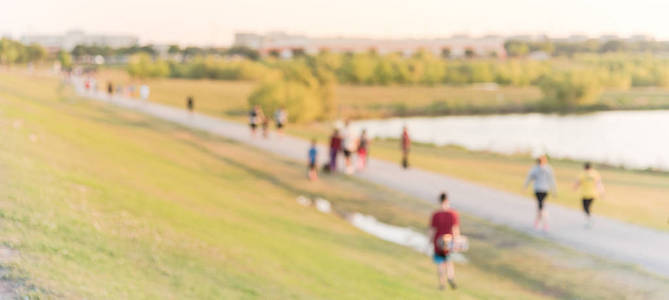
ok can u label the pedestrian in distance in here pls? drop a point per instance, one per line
(280, 118)
(335, 146)
(363, 146)
(264, 122)
(253, 119)
(110, 90)
(444, 224)
(312, 155)
(190, 104)
(350, 144)
(590, 187)
(144, 92)
(405, 144)
(541, 175)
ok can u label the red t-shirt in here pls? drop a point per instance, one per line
(443, 222)
(406, 141)
(335, 143)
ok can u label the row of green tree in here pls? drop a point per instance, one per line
(520, 48)
(304, 83)
(13, 52)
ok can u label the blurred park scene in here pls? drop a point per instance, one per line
(290, 162)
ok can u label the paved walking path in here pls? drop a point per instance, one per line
(608, 238)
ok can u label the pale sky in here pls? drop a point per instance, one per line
(214, 22)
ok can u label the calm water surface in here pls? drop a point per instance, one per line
(633, 139)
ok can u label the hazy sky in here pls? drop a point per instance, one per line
(213, 22)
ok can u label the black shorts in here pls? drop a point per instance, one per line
(347, 153)
(253, 125)
(541, 196)
(279, 125)
(312, 165)
(587, 202)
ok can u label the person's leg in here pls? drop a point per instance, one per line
(333, 161)
(450, 273)
(586, 208)
(405, 158)
(540, 209)
(441, 272)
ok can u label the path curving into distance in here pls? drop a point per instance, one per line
(609, 238)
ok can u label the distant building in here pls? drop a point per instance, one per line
(73, 38)
(286, 45)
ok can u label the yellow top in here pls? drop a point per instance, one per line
(589, 184)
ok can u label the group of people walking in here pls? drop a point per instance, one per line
(350, 144)
(257, 118)
(91, 85)
(588, 184)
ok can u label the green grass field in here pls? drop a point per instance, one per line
(103, 203)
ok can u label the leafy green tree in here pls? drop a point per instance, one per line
(516, 48)
(65, 59)
(244, 51)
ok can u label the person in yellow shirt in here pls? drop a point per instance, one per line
(590, 187)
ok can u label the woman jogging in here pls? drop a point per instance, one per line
(544, 181)
(590, 187)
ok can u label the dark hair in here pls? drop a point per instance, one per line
(443, 197)
(587, 166)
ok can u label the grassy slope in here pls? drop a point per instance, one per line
(102, 203)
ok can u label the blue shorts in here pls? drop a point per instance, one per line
(439, 259)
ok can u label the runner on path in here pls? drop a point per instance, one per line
(190, 104)
(280, 118)
(335, 146)
(254, 116)
(444, 221)
(144, 92)
(405, 143)
(313, 153)
(350, 145)
(590, 187)
(110, 90)
(363, 145)
(544, 181)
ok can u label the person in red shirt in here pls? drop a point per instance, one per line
(444, 221)
(335, 146)
(406, 145)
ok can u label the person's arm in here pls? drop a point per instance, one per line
(456, 231)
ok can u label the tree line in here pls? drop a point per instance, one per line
(13, 52)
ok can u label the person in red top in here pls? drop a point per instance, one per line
(444, 221)
(406, 144)
(335, 146)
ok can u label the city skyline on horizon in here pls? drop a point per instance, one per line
(214, 23)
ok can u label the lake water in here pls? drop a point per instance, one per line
(633, 139)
